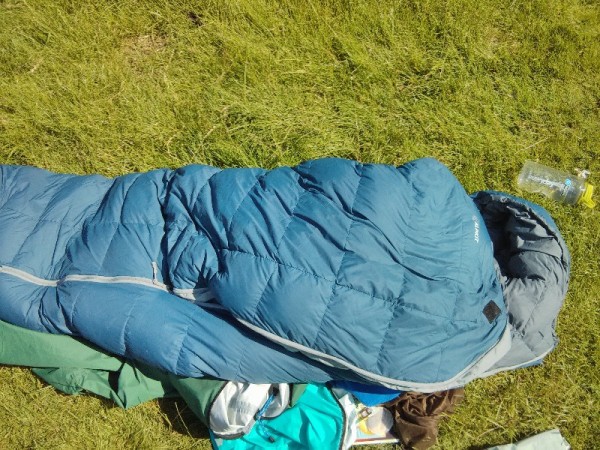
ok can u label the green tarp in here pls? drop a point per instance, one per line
(314, 420)
(73, 366)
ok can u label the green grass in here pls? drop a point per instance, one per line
(482, 85)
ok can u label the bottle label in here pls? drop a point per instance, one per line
(562, 187)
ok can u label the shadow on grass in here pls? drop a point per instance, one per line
(482, 447)
(177, 415)
(517, 438)
(181, 419)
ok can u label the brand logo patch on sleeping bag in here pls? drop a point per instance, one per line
(491, 311)
(476, 233)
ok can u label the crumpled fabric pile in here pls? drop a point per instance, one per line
(417, 416)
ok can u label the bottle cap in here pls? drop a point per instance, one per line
(586, 197)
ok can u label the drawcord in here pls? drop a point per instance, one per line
(155, 281)
(155, 274)
(213, 440)
(260, 426)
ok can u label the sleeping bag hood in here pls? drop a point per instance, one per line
(534, 266)
(332, 269)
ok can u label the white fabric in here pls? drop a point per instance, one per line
(233, 412)
(549, 440)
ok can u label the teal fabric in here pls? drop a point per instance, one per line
(316, 421)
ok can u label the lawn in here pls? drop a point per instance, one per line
(482, 85)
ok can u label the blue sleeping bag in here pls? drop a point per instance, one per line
(332, 269)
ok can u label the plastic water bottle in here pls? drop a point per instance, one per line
(556, 184)
(379, 422)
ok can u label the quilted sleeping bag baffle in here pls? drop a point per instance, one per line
(332, 269)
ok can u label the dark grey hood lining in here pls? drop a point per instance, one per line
(534, 263)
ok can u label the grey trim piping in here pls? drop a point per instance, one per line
(26, 276)
(472, 371)
(198, 295)
(494, 371)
